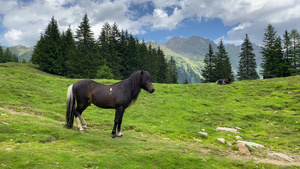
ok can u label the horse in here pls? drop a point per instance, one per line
(225, 81)
(117, 96)
(269, 76)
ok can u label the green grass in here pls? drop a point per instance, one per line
(159, 129)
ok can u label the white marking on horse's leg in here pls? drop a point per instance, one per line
(79, 127)
(83, 122)
(119, 134)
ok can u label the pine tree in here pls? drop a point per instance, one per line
(87, 59)
(268, 51)
(280, 65)
(209, 71)
(295, 51)
(172, 71)
(1, 55)
(273, 62)
(287, 54)
(69, 51)
(223, 65)
(247, 63)
(185, 81)
(48, 51)
(8, 56)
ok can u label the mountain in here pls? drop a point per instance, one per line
(190, 52)
(22, 52)
(194, 47)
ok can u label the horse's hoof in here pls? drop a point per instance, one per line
(121, 136)
(81, 131)
(115, 136)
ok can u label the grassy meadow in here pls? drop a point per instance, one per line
(161, 130)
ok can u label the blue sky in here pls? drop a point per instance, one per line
(22, 21)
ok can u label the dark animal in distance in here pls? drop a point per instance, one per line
(269, 76)
(116, 96)
(225, 81)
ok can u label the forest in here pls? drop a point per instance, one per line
(280, 58)
(114, 54)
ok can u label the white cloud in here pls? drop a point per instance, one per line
(13, 34)
(251, 17)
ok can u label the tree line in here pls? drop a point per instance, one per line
(7, 56)
(114, 54)
(217, 65)
(279, 57)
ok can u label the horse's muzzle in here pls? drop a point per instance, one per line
(152, 90)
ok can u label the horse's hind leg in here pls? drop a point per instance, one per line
(79, 119)
(79, 127)
(83, 122)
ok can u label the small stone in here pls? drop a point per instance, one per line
(243, 149)
(229, 144)
(5, 123)
(203, 133)
(234, 130)
(251, 144)
(279, 156)
(8, 149)
(198, 140)
(221, 140)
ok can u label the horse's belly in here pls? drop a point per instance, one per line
(104, 102)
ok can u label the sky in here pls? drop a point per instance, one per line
(23, 21)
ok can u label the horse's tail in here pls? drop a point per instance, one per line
(70, 107)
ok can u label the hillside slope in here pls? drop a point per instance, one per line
(161, 130)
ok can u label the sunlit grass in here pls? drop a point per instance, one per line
(160, 129)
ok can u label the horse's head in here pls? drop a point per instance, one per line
(146, 81)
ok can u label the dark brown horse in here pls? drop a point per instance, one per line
(116, 96)
(225, 81)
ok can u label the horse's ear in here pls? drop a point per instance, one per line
(142, 72)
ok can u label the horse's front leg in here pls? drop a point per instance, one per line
(115, 125)
(117, 122)
(119, 134)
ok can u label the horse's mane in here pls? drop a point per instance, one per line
(135, 79)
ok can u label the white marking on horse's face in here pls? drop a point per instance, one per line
(110, 89)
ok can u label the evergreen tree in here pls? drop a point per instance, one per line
(48, 51)
(295, 51)
(185, 81)
(172, 71)
(8, 56)
(268, 51)
(87, 60)
(1, 55)
(273, 61)
(69, 51)
(209, 71)
(162, 66)
(281, 69)
(287, 53)
(247, 63)
(223, 65)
